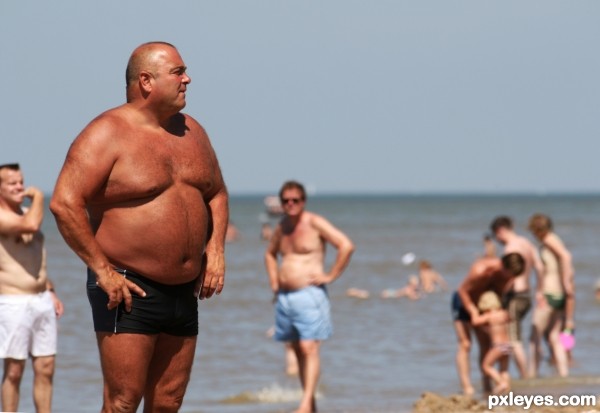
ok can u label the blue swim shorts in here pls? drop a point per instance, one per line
(303, 314)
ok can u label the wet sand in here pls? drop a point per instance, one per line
(554, 386)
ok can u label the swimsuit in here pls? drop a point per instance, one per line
(556, 302)
(170, 309)
(303, 314)
(505, 348)
(27, 325)
(517, 304)
(459, 313)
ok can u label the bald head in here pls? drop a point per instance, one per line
(143, 58)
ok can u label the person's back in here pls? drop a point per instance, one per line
(498, 326)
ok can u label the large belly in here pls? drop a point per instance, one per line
(162, 239)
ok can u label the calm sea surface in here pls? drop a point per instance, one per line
(384, 353)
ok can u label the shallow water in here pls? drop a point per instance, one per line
(384, 353)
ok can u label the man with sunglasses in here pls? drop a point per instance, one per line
(302, 310)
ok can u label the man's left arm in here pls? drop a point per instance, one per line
(59, 308)
(214, 274)
(340, 241)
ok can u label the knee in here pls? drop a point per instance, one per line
(13, 373)
(13, 376)
(123, 404)
(44, 367)
(167, 405)
(309, 348)
(464, 346)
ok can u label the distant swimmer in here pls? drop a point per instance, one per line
(410, 290)
(273, 205)
(357, 293)
(431, 280)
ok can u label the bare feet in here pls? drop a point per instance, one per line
(469, 391)
(502, 388)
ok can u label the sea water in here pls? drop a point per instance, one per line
(384, 353)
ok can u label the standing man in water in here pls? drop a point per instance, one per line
(141, 200)
(29, 306)
(518, 300)
(302, 311)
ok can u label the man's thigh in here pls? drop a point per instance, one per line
(169, 372)
(125, 360)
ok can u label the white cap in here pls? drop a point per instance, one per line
(408, 258)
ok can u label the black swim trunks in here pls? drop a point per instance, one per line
(459, 313)
(170, 309)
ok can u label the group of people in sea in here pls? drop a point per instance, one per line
(494, 298)
(496, 295)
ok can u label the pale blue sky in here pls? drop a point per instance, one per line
(346, 96)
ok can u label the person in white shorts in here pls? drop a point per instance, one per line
(29, 306)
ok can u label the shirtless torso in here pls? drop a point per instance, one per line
(527, 250)
(22, 265)
(150, 194)
(302, 250)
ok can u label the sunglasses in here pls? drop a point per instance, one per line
(294, 201)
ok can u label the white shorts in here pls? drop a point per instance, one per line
(27, 326)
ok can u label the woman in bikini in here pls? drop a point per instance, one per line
(554, 311)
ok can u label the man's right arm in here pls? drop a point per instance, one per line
(466, 287)
(86, 169)
(28, 223)
(271, 264)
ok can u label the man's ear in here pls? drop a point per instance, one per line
(145, 80)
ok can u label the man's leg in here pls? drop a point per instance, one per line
(517, 309)
(11, 382)
(463, 367)
(169, 373)
(309, 364)
(125, 360)
(43, 373)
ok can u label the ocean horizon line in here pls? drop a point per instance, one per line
(416, 194)
(427, 194)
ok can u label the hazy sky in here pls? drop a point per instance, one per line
(344, 95)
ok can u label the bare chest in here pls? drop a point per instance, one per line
(149, 166)
(303, 240)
